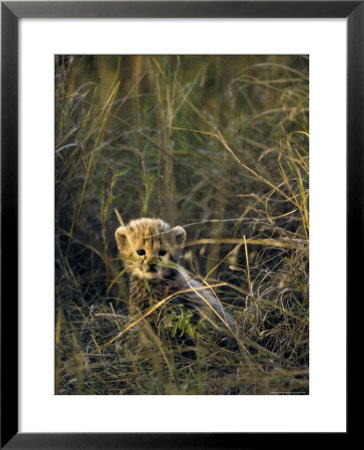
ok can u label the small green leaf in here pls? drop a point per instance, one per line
(190, 331)
(169, 320)
(174, 330)
(183, 328)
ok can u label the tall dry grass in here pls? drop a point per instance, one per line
(218, 144)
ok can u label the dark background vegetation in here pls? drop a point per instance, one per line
(219, 145)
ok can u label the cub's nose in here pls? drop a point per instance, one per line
(152, 265)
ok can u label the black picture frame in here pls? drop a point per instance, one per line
(11, 12)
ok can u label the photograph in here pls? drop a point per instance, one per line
(181, 224)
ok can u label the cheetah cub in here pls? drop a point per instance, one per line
(150, 250)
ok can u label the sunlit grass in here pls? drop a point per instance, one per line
(219, 145)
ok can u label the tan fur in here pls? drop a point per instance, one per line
(150, 250)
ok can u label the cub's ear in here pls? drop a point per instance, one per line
(120, 236)
(179, 235)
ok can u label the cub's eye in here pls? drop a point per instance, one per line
(162, 252)
(141, 252)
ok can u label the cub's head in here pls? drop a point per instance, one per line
(150, 248)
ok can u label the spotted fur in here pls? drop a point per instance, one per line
(150, 250)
